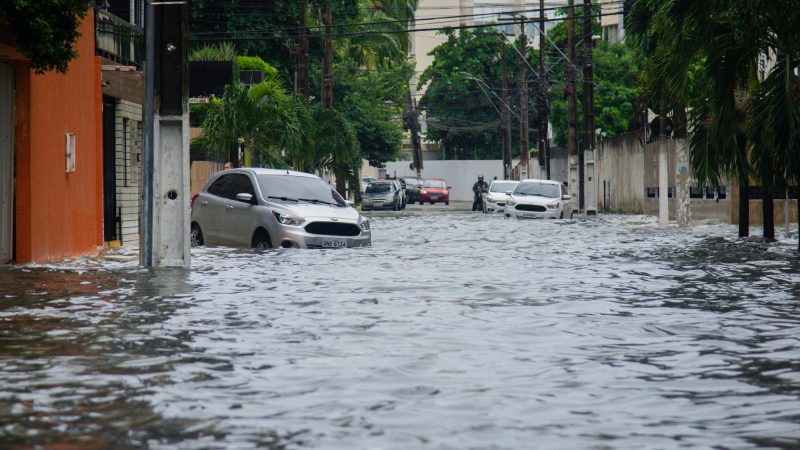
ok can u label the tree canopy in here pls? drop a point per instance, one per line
(45, 29)
(463, 99)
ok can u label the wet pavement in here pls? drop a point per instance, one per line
(453, 331)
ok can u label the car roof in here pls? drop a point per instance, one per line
(533, 180)
(262, 171)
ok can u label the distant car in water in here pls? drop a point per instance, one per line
(495, 200)
(413, 186)
(542, 199)
(268, 208)
(365, 181)
(434, 190)
(383, 194)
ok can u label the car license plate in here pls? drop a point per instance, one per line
(334, 243)
(434, 197)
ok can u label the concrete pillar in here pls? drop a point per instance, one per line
(663, 185)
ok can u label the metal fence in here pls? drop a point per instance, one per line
(119, 40)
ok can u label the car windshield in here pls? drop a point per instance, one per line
(298, 189)
(540, 189)
(434, 184)
(378, 188)
(503, 186)
(413, 181)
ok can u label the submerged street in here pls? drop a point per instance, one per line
(454, 330)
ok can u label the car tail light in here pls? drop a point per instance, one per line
(194, 197)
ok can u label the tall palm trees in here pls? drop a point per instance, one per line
(741, 126)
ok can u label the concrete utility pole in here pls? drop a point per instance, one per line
(506, 117)
(524, 146)
(572, 107)
(165, 162)
(544, 150)
(327, 61)
(413, 126)
(663, 183)
(302, 63)
(588, 101)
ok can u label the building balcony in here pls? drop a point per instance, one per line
(119, 40)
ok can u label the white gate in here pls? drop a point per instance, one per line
(6, 163)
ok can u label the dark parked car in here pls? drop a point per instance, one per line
(383, 194)
(413, 185)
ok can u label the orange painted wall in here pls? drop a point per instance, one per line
(59, 214)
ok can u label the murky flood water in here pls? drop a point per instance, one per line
(454, 331)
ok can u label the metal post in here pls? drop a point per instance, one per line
(302, 64)
(146, 241)
(327, 62)
(572, 107)
(524, 146)
(588, 100)
(506, 117)
(544, 148)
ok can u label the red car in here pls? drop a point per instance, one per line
(434, 190)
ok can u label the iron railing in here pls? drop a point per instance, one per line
(119, 40)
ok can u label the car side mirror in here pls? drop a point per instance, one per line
(350, 202)
(566, 197)
(449, 187)
(509, 192)
(245, 197)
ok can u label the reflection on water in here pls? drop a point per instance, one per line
(454, 330)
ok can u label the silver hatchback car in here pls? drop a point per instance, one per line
(269, 208)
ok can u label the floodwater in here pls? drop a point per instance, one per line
(453, 331)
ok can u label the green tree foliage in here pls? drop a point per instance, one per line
(742, 126)
(373, 100)
(617, 90)
(262, 115)
(463, 98)
(45, 29)
(265, 28)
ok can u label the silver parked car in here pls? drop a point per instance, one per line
(269, 208)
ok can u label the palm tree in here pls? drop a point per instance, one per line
(262, 117)
(726, 38)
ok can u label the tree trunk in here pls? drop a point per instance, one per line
(744, 208)
(768, 215)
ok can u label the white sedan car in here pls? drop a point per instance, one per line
(539, 199)
(495, 200)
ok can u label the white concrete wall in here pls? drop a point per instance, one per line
(128, 163)
(460, 174)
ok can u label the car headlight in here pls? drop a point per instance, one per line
(364, 224)
(444, 192)
(286, 219)
(424, 192)
(552, 206)
(511, 202)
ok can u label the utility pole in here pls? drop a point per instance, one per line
(413, 125)
(544, 151)
(506, 117)
(165, 156)
(588, 100)
(327, 61)
(524, 147)
(572, 107)
(302, 63)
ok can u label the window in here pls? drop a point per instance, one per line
(227, 186)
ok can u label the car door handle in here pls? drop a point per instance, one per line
(230, 207)
(203, 203)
